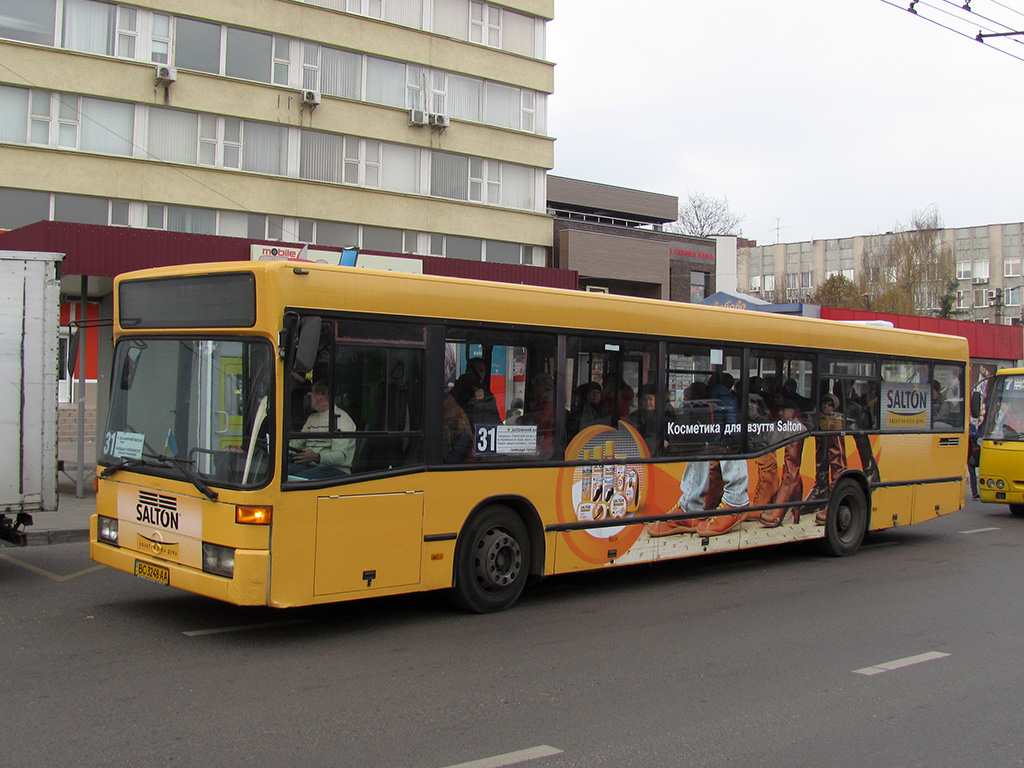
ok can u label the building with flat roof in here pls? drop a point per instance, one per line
(406, 126)
(988, 268)
(615, 239)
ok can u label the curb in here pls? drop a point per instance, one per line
(40, 538)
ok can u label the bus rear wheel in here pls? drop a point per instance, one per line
(492, 561)
(1017, 510)
(847, 519)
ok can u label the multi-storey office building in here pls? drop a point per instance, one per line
(415, 126)
(988, 268)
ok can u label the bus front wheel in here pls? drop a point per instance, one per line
(1017, 510)
(492, 561)
(847, 519)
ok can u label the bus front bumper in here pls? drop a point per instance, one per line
(1000, 496)
(248, 585)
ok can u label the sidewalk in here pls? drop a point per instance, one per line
(70, 521)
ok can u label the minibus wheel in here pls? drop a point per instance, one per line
(847, 519)
(1017, 510)
(492, 561)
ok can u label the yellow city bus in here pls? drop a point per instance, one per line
(1001, 433)
(290, 433)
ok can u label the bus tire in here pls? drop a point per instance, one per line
(492, 561)
(847, 519)
(1017, 510)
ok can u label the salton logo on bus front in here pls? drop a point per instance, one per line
(157, 509)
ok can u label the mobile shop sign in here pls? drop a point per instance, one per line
(906, 405)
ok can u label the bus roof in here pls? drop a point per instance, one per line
(320, 287)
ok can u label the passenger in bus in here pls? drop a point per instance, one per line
(515, 411)
(472, 394)
(617, 395)
(456, 434)
(592, 408)
(540, 410)
(645, 419)
(322, 458)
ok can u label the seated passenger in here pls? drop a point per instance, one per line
(322, 458)
(471, 392)
(645, 419)
(456, 435)
(593, 409)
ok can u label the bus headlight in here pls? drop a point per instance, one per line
(106, 529)
(1000, 484)
(219, 560)
(991, 483)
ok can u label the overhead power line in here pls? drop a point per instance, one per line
(994, 24)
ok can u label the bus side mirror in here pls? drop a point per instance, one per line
(306, 344)
(975, 404)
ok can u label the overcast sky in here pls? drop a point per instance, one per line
(824, 118)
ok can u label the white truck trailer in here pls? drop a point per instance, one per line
(29, 325)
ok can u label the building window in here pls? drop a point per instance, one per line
(458, 177)
(160, 39)
(963, 270)
(1011, 296)
(89, 26)
(386, 82)
(485, 24)
(249, 55)
(31, 22)
(197, 45)
(980, 270)
(127, 32)
(1011, 267)
(698, 287)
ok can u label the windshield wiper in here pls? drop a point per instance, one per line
(188, 472)
(121, 465)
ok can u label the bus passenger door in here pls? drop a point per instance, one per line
(367, 542)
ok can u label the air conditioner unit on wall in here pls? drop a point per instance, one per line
(979, 280)
(165, 75)
(419, 117)
(440, 121)
(311, 98)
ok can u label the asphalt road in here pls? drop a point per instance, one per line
(911, 653)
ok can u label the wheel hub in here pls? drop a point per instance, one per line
(500, 559)
(844, 517)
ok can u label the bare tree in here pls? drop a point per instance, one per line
(910, 271)
(703, 216)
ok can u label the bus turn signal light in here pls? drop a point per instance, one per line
(250, 515)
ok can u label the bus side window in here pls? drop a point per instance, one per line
(503, 380)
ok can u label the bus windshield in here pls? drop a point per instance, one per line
(198, 409)
(1004, 417)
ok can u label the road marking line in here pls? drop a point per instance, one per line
(48, 574)
(511, 758)
(900, 663)
(979, 530)
(244, 627)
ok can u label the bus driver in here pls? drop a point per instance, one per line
(322, 458)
